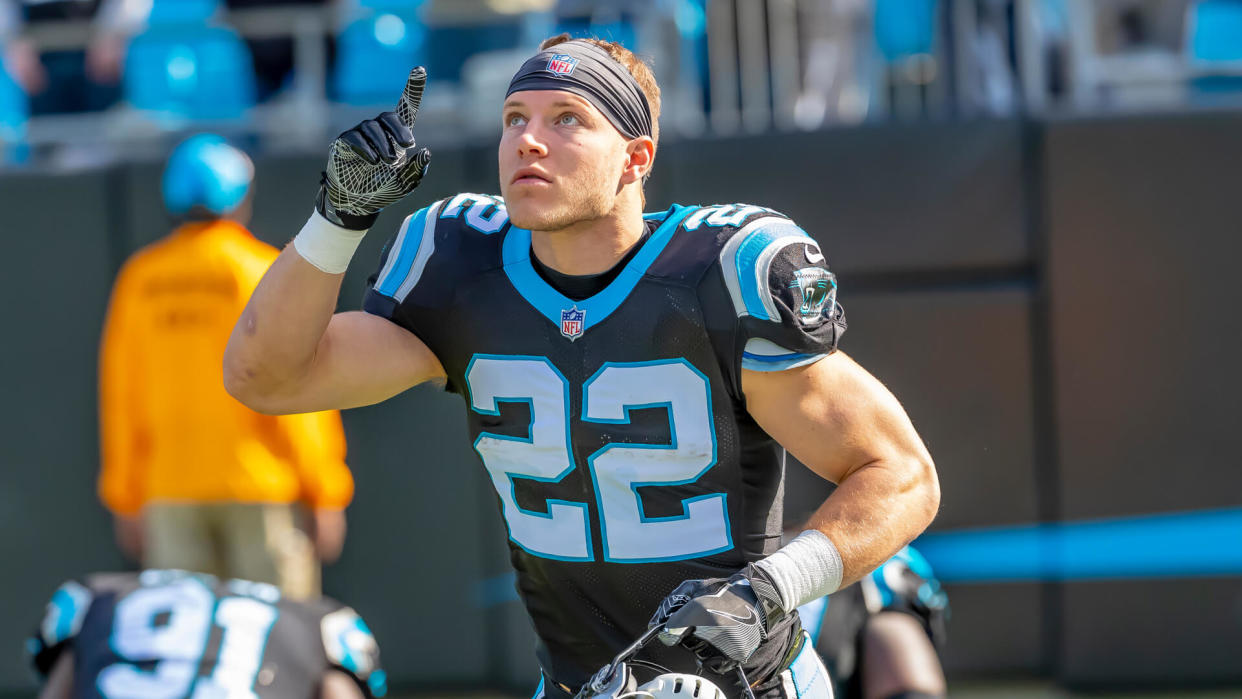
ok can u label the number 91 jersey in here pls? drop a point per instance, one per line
(172, 634)
(613, 427)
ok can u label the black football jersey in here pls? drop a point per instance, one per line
(172, 634)
(614, 427)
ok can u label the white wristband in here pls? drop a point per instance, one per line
(807, 568)
(326, 245)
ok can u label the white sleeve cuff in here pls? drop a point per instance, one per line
(326, 245)
(807, 568)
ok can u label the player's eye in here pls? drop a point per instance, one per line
(568, 119)
(514, 120)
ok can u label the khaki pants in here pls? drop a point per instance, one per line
(252, 541)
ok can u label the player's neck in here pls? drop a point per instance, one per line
(592, 246)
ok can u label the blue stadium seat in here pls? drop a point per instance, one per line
(376, 51)
(905, 28)
(449, 47)
(182, 67)
(1214, 46)
(1216, 31)
(164, 12)
(14, 112)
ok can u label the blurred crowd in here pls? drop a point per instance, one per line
(775, 64)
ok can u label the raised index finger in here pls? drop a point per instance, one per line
(412, 96)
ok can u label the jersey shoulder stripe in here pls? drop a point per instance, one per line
(415, 242)
(410, 251)
(746, 261)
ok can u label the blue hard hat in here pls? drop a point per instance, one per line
(204, 170)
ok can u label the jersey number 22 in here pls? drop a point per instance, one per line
(617, 470)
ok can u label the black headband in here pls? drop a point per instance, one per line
(591, 73)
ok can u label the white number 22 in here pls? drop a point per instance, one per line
(617, 470)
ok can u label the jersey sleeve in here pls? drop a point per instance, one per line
(402, 263)
(784, 295)
(420, 267)
(61, 623)
(351, 648)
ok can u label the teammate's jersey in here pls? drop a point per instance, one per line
(174, 634)
(614, 427)
(905, 584)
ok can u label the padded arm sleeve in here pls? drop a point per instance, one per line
(784, 296)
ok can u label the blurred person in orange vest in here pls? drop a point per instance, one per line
(195, 479)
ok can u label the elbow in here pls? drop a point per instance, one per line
(245, 383)
(927, 486)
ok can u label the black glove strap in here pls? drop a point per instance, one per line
(765, 591)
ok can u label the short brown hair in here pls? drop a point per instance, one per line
(637, 67)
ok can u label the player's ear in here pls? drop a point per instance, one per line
(640, 154)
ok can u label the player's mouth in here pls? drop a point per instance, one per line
(530, 175)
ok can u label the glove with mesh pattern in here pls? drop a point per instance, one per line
(374, 164)
(722, 621)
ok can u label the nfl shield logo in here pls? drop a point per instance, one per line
(571, 323)
(562, 64)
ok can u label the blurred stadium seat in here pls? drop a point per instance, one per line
(449, 47)
(14, 113)
(1216, 31)
(185, 67)
(1214, 46)
(608, 25)
(376, 50)
(905, 28)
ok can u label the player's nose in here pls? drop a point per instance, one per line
(529, 143)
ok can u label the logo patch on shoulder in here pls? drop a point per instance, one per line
(562, 64)
(572, 323)
(816, 289)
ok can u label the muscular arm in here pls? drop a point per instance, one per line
(289, 353)
(847, 427)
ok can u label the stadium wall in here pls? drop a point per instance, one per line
(1052, 303)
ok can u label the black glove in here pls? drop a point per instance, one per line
(722, 621)
(375, 163)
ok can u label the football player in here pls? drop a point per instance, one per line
(881, 637)
(170, 633)
(630, 380)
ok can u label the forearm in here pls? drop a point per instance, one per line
(278, 334)
(876, 510)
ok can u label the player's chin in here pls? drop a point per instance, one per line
(530, 213)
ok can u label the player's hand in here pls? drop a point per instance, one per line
(722, 621)
(374, 164)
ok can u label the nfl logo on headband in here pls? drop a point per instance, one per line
(562, 64)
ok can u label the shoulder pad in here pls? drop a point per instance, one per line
(482, 212)
(61, 623)
(727, 215)
(415, 242)
(350, 645)
(771, 263)
(65, 613)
